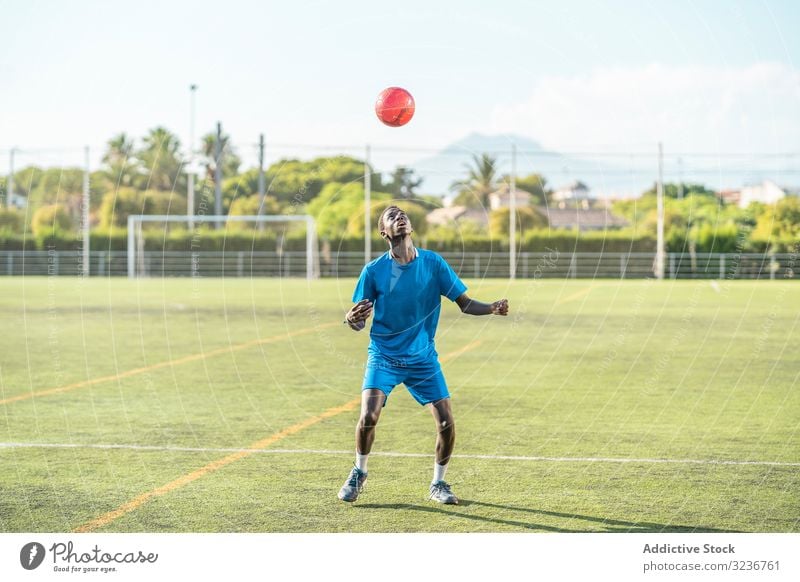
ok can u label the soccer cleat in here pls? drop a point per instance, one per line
(440, 491)
(353, 486)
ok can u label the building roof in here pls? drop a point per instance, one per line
(582, 218)
(451, 214)
(504, 191)
(574, 185)
(501, 198)
(572, 191)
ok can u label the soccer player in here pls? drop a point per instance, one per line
(404, 287)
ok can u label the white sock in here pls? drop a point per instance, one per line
(361, 461)
(438, 472)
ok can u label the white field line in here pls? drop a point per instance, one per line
(387, 454)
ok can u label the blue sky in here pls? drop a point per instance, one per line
(706, 76)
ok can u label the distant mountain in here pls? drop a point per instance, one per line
(606, 173)
(442, 169)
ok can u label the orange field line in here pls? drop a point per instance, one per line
(176, 362)
(576, 295)
(140, 500)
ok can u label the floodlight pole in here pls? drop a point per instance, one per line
(131, 254)
(85, 213)
(261, 194)
(311, 229)
(660, 214)
(218, 174)
(10, 185)
(367, 195)
(190, 173)
(512, 215)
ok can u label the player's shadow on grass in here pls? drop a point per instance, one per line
(609, 525)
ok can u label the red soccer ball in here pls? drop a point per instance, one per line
(395, 106)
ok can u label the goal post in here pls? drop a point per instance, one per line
(136, 236)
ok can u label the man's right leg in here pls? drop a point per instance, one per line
(371, 405)
(372, 401)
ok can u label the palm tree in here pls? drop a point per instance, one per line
(122, 166)
(481, 181)
(404, 183)
(230, 161)
(161, 159)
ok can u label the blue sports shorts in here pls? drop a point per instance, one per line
(424, 381)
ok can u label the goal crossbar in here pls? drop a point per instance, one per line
(135, 221)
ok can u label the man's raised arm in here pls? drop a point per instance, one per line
(472, 307)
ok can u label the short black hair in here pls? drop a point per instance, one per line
(387, 209)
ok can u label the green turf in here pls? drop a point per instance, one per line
(580, 369)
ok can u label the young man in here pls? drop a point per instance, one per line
(404, 288)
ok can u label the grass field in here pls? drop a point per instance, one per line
(126, 406)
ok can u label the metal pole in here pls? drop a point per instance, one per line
(85, 213)
(261, 193)
(10, 194)
(309, 249)
(660, 214)
(190, 173)
(218, 174)
(131, 248)
(512, 215)
(367, 221)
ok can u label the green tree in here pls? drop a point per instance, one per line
(339, 211)
(50, 219)
(161, 162)
(296, 183)
(534, 184)
(481, 181)
(49, 185)
(26, 180)
(249, 206)
(121, 166)
(338, 206)
(779, 224)
(682, 190)
(403, 183)
(527, 219)
(787, 216)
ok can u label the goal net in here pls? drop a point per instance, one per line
(222, 246)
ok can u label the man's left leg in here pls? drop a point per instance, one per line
(445, 442)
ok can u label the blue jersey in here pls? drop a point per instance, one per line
(406, 302)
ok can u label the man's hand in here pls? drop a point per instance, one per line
(500, 307)
(357, 316)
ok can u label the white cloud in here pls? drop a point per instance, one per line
(690, 108)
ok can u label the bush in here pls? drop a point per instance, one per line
(117, 206)
(11, 220)
(721, 239)
(471, 243)
(109, 240)
(209, 240)
(567, 241)
(15, 242)
(50, 219)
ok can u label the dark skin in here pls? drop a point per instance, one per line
(396, 232)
